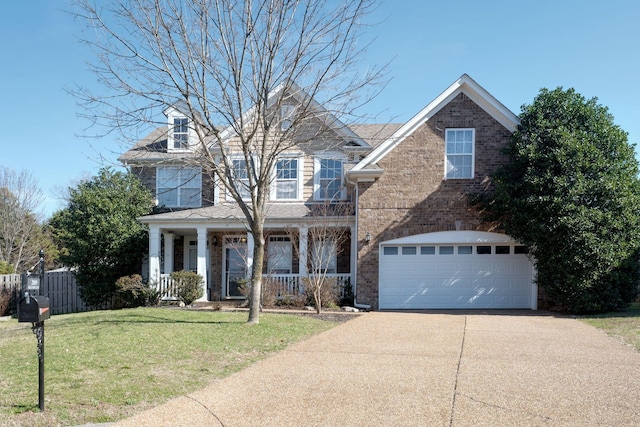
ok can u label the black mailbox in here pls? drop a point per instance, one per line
(33, 309)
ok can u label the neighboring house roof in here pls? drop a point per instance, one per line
(230, 213)
(464, 84)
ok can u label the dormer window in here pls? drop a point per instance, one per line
(180, 133)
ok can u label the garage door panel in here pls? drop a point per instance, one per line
(455, 281)
(463, 267)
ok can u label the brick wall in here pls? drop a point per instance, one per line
(412, 196)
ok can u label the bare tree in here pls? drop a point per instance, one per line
(20, 230)
(326, 239)
(256, 77)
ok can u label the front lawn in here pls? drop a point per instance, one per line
(623, 325)
(105, 365)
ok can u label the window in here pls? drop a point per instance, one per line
(409, 250)
(459, 152)
(180, 133)
(240, 176)
(427, 250)
(324, 258)
(279, 255)
(483, 250)
(465, 250)
(520, 250)
(286, 116)
(179, 187)
(390, 250)
(328, 179)
(287, 180)
(503, 250)
(445, 250)
(192, 256)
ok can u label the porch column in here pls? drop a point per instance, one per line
(303, 236)
(202, 259)
(154, 254)
(250, 246)
(168, 252)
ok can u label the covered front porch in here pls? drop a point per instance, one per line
(221, 251)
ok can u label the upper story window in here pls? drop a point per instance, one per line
(179, 187)
(460, 147)
(286, 116)
(328, 178)
(240, 175)
(288, 179)
(180, 133)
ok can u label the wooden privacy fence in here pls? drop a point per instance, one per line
(12, 283)
(59, 286)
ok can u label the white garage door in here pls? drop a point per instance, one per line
(455, 270)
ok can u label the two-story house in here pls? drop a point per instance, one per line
(414, 239)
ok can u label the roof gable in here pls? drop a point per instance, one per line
(301, 96)
(464, 84)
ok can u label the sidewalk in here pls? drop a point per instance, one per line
(418, 369)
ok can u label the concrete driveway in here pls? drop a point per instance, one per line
(426, 369)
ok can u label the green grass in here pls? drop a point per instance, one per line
(623, 325)
(105, 365)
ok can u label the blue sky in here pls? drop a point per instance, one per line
(512, 48)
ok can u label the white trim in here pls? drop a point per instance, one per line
(154, 253)
(464, 84)
(216, 189)
(202, 260)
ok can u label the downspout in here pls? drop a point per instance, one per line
(355, 264)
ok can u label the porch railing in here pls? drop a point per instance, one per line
(166, 288)
(285, 284)
(293, 284)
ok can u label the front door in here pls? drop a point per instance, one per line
(235, 265)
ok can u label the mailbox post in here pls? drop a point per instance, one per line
(35, 309)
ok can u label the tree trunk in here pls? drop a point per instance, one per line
(256, 274)
(318, 297)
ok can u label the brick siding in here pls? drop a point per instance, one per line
(412, 196)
